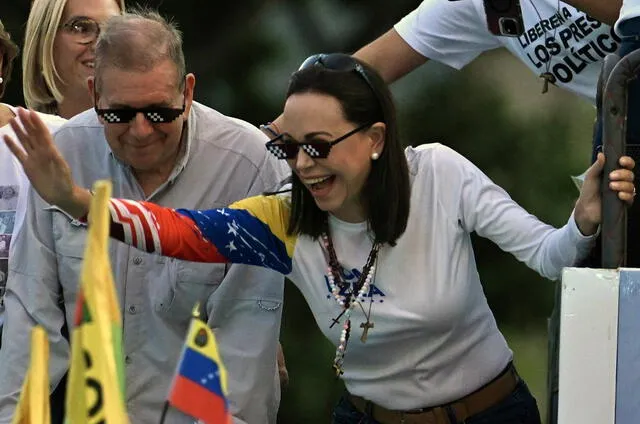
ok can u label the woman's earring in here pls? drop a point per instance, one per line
(1, 80)
(374, 156)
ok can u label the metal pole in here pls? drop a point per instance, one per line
(165, 409)
(614, 214)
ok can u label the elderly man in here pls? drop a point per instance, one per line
(148, 136)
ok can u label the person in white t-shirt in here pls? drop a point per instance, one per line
(565, 40)
(377, 239)
(13, 183)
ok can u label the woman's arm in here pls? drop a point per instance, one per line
(231, 234)
(250, 232)
(488, 210)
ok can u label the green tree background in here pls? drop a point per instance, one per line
(492, 112)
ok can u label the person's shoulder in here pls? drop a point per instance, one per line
(53, 122)
(80, 123)
(432, 153)
(225, 126)
(79, 130)
(218, 131)
(435, 158)
(86, 119)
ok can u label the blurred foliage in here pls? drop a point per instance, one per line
(242, 55)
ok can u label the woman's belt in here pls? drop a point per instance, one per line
(480, 400)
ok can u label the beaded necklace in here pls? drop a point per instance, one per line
(348, 301)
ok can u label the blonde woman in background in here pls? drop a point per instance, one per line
(59, 53)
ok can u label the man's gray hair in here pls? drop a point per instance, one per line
(138, 40)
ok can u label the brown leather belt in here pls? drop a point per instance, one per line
(480, 400)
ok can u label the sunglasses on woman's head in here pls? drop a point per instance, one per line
(155, 115)
(337, 62)
(286, 147)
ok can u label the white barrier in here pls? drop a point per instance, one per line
(600, 347)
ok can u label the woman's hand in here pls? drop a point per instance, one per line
(43, 164)
(588, 211)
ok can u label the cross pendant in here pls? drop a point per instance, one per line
(548, 78)
(336, 320)
(338, 369)
(366, 325)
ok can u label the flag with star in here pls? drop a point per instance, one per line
(200, 385)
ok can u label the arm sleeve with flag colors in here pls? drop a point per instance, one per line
(251, 231)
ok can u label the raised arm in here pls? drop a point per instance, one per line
(250, 232)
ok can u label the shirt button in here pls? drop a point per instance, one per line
(132, 309)
(137, 260)
(127, 359)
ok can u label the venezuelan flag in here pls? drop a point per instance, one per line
(200, 385)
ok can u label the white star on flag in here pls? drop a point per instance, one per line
(232, 229)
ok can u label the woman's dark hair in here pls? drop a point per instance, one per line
(8, 51)
(365, 99)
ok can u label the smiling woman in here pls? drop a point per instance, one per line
(59, 53)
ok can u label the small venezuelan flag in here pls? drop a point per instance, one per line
(199, 386)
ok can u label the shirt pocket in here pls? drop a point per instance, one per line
(190, 283)
(70, 237)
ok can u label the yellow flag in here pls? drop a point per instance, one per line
(95, 390)
(33, 406)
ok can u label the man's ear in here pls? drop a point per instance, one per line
(190, 83)
(94, 95)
